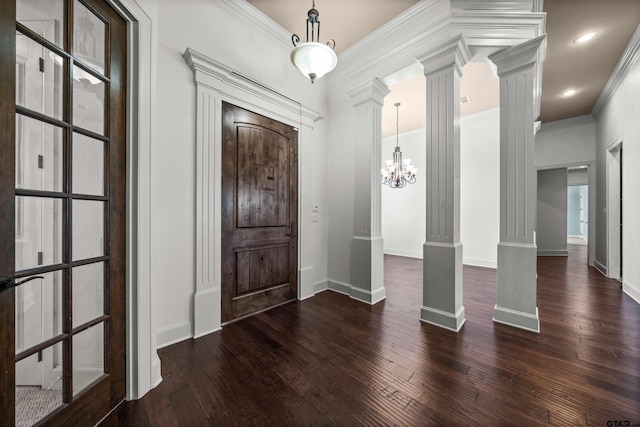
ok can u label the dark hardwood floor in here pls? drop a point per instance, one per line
(331, 360)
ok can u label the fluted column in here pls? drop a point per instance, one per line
(442, 251)
(367, 257)
(517, 252)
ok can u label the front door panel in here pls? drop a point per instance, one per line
(259, 217)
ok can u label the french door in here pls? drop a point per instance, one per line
(62, 211)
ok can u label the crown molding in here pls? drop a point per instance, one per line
(627, 60)
(523, 5)
(258, 20)
(213, 74)
(497, 29)
(568, 123)
(399, 41)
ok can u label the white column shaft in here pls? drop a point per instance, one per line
(518, 69)
(442, 262)
(367, 260)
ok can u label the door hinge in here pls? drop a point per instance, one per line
(40, 161)
(41, 62)
(40, 257)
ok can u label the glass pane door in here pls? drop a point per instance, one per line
(68, 194)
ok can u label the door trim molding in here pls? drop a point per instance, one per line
(613, 213)
(216, 83)
(143, 363)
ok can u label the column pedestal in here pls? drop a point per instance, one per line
(442, 298)
(516, 291)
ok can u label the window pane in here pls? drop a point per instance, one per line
(38, 231)
(88, 165)
(39, 77)
(88, 37)
(44, 17)
(38, 385)
(38, 310)
(88, 229)
(88, 357)
(39, 155)
(88, 293)
(88, 101)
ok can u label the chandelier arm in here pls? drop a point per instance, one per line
(295, 39)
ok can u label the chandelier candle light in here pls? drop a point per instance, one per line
(399, 172)
(312, 58)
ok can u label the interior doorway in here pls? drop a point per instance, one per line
(615, 211)
(578, 205)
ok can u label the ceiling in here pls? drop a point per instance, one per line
(585, 67)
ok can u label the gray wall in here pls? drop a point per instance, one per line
(551, 233)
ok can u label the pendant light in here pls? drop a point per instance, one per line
(313, 58)
(398, 172)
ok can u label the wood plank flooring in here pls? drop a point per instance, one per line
(331, 360)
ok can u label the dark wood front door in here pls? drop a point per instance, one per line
(259, 213)
(62, 211)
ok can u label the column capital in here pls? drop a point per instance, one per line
(518, 56)
(453, 52)
(373, 90)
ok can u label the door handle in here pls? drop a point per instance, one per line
(8, 283)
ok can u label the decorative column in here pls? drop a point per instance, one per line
(442, 250)
(518, 68)
(367, 257)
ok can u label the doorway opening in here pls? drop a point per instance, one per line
(578, 205)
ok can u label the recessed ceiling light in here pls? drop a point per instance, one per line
(586, 37)
(569, 92)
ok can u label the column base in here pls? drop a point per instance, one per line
(516, 286)
(367, 269)
(443, 319)
(442, 285)
(207, 312)
(517, 319)
(306, 288)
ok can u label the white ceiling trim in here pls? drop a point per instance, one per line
(501, 29)
(408, 31)
(627, 60)
(524, 5)
(568, 123)
(258, 20)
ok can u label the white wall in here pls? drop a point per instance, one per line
(480, 188)
(403, 211)
(227, 37)
(566, 142)
(619, 119)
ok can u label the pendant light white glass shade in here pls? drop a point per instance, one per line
(314, 60)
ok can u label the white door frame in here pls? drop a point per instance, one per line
(614, 238)
(142, 361)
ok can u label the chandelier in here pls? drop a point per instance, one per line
(313, 58)
(398, 172)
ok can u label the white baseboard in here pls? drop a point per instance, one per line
(443, 319)
(600, 267)
(475, 262)
(632, 291)
(173, 334)
(339, 287)
(320, 286)
(366, 296)
(400, 252)
(553, 252)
